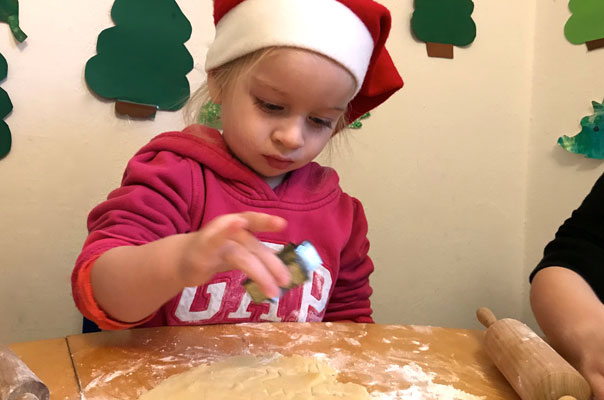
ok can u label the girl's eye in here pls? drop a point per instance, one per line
(324, 123)
(269, 107)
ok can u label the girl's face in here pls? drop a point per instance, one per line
(280, 114)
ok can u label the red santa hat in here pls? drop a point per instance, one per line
(351, 32)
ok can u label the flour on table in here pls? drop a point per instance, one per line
(423, 386)
(250, 377)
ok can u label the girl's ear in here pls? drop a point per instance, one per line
(214, 89)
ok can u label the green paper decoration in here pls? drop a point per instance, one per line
(6, 106)
(590, 141)
(210, 115)
(585, 24)
(447, 22)
(9, 13)
(143, 59)
(357, 124)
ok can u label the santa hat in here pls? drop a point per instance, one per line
(351, 32)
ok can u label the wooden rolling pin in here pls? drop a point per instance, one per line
(531, 366)
(17, 381)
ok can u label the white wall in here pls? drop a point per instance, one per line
(69, 151)
(566, 79)
(441, 168)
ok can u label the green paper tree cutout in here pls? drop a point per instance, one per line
(443, 24)
(585, 24)
(590, 141)
(9, 13)
(142, 61)
(5, 108)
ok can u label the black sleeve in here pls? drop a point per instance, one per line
(579, 242)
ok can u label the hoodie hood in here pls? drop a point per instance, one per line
(309, 184)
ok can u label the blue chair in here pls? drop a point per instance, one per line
(89, 327)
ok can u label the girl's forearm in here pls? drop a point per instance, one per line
(566, 308)
(131, 282)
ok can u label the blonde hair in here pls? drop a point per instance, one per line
(225, 76)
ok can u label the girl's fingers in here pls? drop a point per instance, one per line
(265, 255)
(249, 264)
(260, 222)
(276, 267)
(231, 236)
(227, 226)
(222, 229)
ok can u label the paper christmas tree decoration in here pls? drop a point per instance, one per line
(6, 106)
(443, 24)
(142, 61)
(9, 13)
(586, 25)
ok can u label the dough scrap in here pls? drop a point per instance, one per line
(254, 378)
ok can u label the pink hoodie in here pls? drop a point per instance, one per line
(180, 181)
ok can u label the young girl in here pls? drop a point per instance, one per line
(199, 211)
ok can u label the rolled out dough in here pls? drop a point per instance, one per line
(254, 378)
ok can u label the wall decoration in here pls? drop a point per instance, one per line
(358, 124)
(590, 141)
(9, 13)
(142, 61)
(210, 115)
(585, 24)
(5, 108)
(443, 24)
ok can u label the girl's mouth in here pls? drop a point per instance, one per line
(278, 162)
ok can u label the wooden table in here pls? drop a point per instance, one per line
(390, 361)
(51, 362)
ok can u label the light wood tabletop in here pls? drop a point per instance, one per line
(391, 361)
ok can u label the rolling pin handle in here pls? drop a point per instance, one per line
(567, 398)
(487, 318)
(17, 381)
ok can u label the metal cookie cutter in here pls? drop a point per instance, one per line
(301, 260)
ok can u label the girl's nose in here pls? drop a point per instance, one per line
(289, 134)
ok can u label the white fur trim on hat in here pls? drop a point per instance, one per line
(327, 27)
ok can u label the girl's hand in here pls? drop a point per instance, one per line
(228, 243)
